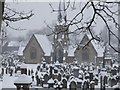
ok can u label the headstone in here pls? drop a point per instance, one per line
(29, 72)
(2, 71)
(64, 81)
(6, 70)
(23, 81)
(96, 80)
(46, 78)
(32, 78)
(37, 80)
(85, 85)
(91, 76)
(32, 71)
(105, 79)
(59, 77)
(101, 83)
(73, 86)
(11, 72)
(51, 68)
(92, 85)
(50, 83)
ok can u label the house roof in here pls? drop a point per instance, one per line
(44, 43)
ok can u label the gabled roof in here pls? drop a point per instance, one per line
(97, 46)
(44, 43)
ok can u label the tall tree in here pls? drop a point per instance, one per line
(12, 16)
(102, 10)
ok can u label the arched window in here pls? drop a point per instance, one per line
(33, 53)
(85, 54)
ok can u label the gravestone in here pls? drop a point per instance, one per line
(85, 85)
(92, 85)
(11, 72)
(6, 70)
(23, 68)
(23, 82)
(59, 77)
(37, 80)
(73, 86)
(32, 78)
(46, 78)
(29, 72)
(105, 79)
(91, 76)
(2, 71)
(96, 80)
(76, 71)
(64, 81)
(50, 83)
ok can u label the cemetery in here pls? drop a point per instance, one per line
(62, 63)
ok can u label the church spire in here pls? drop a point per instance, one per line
(62, 16)
(59, 13)
(64, 13)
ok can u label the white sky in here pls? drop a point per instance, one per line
(42, 13)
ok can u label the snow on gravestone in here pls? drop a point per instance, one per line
(22, 82)
(23, 79)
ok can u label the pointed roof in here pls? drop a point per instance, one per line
(97, 46)
(44, 43)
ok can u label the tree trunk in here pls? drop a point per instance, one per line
(1, 15)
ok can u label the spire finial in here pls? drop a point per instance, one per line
(64, 13)
(59, 13)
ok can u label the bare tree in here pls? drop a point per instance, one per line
(8, 15)
(102, 10)
(12, 15)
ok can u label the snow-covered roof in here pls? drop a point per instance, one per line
(44, 43)
(50, 81)
(79, 80)
(13, 43)
(23, 79)
(75, 67)
(20, 51)
(23, 65)
(71, 50)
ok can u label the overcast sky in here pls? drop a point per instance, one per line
(42, 12)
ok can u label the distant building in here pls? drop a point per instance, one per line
(38, 46)
(89, 52)
(11, 47)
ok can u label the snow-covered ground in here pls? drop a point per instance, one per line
(8, 81)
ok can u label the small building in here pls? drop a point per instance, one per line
(11, 47)
(89, 52)
(38, 46)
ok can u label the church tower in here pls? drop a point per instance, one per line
(61, 37)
